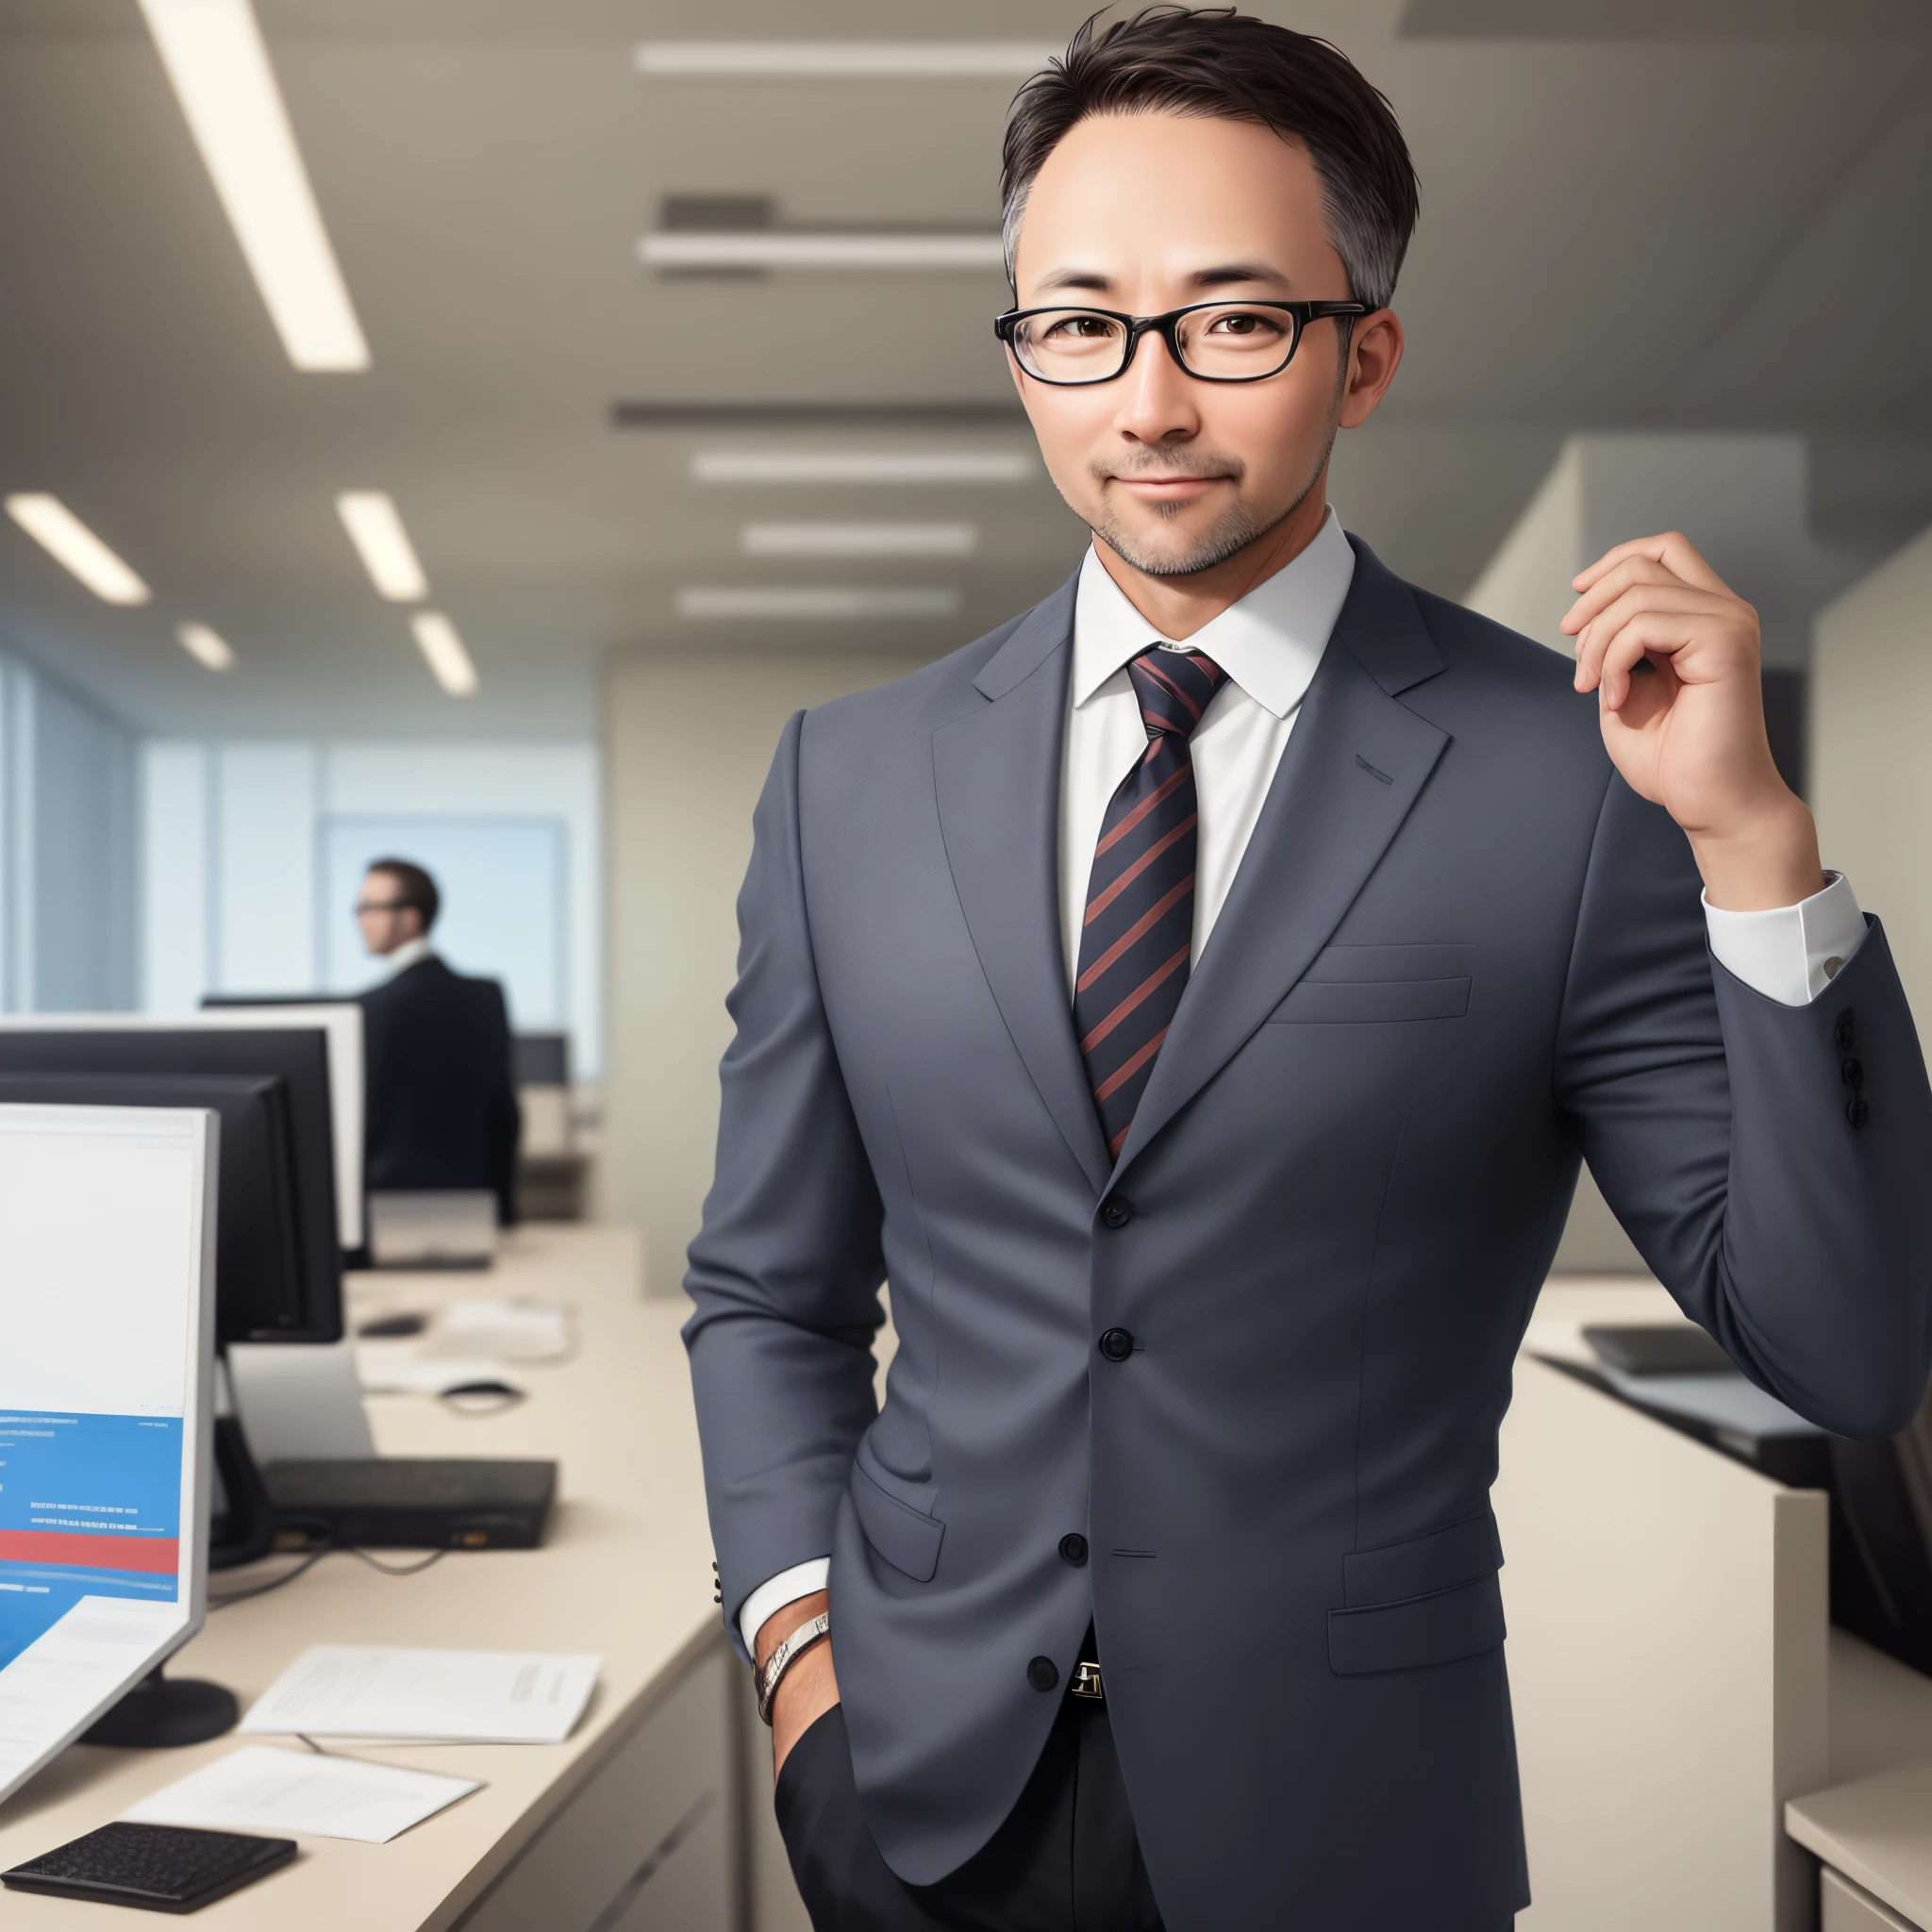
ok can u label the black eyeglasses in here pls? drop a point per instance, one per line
(1217, 341)
(362, 905)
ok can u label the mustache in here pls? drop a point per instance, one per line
(1167, 465)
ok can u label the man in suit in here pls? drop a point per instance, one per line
(1195, 998)
(440, 1108)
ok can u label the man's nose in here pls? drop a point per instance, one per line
(1157, 403)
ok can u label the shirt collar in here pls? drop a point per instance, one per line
(411, 953)
(1269, 644)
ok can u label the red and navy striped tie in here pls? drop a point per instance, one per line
(1139, 922)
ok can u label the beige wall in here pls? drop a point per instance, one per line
(687, 743)
(1871, 753)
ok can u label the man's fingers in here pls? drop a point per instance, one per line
(1672, 549)
(1611, 584)
(1649, 636)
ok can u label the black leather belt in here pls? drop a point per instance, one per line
(1085, 1682)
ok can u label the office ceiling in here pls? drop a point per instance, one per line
(1699, 214)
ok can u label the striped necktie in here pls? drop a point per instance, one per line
(1139, 920)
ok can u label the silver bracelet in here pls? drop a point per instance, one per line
(785, 1656)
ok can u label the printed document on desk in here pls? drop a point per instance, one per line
(458, 1696)
(260, 1788)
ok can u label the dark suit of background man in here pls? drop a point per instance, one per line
(440, 1110)
(1195, 998)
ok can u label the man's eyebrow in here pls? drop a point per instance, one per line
(1220, 275)
(1075, 279)
(1226, 273)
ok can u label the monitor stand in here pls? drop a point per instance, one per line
(163, 1713)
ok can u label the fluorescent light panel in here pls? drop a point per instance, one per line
(844, 59)
(767, 248)
(449, 663)
(815, 602)
(376, 528)
(214, 57)
(207, 648)
(860, 539)
(862, 466)
(73, 546)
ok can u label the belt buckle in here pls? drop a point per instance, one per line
(1086, 1683)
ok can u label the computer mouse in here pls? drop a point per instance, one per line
(392, 1327)
(499, 1388)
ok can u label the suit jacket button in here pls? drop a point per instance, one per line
(1117, 1212)
(1041, 1673)
(1074, 1548)
(1854, 1072)
(1116, 1344)
(1844, 1032)
(1857, 1110)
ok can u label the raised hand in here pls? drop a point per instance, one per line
(1674, 655)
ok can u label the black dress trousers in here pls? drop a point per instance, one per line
(1066, 1859)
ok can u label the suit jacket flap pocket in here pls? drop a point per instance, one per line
(1438, 1629)
(1367, 983)
(908, 1539)
(1459, 1554)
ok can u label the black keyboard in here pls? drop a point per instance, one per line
(161, 1868)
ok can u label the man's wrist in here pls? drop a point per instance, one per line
(783, 1621)
(1767, 859)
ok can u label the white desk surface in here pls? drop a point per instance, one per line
(625, 1573)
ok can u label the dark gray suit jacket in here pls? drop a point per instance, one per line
(1458, 952)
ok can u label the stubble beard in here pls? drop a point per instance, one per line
(1230, 533)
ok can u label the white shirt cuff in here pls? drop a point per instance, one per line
(801, 1579)
(1790, 953)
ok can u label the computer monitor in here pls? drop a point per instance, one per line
(296, 1060)
(341, 1022)
(106, 1307)
(540, 1059)
(277, 1271)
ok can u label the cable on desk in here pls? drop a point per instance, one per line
(313, 1559)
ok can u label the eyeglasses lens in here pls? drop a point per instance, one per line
(1226, 342)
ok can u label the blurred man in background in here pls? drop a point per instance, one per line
(441, 1109)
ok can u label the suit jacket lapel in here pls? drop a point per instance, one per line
(997, 774)
(1352, 769)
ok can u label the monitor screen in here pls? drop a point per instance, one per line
(107, 1306)
(298, 1059)
(277, 1271)
(540, 1059)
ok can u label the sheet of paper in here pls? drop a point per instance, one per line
(395, 1368)
(500, 1331)
(299, 1794)
(471, 1696)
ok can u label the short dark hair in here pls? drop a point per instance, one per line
(414, 886)
(1222, 65)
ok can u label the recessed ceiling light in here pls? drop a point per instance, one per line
(376, 529)
(214, 57)
(71, 543)
(862, 466)
(816, 602)
(860, 539)
(846, 59)
(207, 648)
(779, 248)
(448, 661)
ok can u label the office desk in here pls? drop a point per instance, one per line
(634, 1820)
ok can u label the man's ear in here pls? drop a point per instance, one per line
(1375, 354)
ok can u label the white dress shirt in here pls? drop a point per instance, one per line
(1270, 644)
(411, 953)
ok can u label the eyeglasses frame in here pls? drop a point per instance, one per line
(1169, 325)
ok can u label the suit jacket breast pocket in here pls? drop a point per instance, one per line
(1357, 984)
